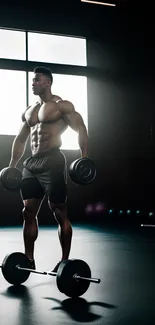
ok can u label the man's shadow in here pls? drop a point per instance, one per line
(26, 315)
(79, 309)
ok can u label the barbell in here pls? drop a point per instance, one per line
(73, 276)
(82, 171)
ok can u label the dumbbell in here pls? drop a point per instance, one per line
(73, 276)
(82, 171)
(10, 178)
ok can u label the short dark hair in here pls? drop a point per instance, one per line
(47, 72)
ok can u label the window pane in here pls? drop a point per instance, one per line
(12, 45)
(13, 100)
(68, 87)
(56, 49)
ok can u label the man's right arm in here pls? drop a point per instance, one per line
(19, 144)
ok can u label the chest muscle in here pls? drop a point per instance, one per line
(45, 113)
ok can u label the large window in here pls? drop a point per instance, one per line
(12, 44)
(64, 55)
(13, 100)
(56, 49)
(74, 89)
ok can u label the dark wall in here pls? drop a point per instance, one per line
(120, 50)
(121, 107)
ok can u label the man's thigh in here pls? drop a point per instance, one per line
(30, 186)
(54, 185)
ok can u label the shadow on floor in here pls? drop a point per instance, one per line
(79, 309)
(26, 310)
(16, 292)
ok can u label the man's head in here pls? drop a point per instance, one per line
(42, 80)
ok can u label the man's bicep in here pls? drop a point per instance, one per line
(75, 121)
(70, 115)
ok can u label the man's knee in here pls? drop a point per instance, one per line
(57, 207)
(30, 209)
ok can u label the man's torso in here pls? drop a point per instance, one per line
(46, 125)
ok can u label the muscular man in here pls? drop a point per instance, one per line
(44, 173)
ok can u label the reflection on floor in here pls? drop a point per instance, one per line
(125, 262)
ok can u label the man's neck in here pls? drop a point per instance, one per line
(45, 97)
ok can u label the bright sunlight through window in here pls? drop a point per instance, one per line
(56, 49)
(13, 45)
(74, 89)
(13, 100)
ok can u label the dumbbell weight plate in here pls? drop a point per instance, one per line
(82, 171)
(65, 280)
(9, 270)
(10, 178)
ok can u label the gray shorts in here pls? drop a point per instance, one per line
(45, 174)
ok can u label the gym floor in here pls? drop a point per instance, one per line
(124, 260)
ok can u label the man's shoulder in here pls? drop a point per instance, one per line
(66, 107)
(57, 98)
(62, 102)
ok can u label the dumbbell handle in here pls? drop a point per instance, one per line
(75, 276)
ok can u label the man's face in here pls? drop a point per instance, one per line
(39, 84)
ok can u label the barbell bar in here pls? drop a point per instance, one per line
(76, 276)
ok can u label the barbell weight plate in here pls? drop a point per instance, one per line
(82, 171)
(10, 178)
(9, 270)
(65, 280)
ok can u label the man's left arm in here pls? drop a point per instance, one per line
(75, 121)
